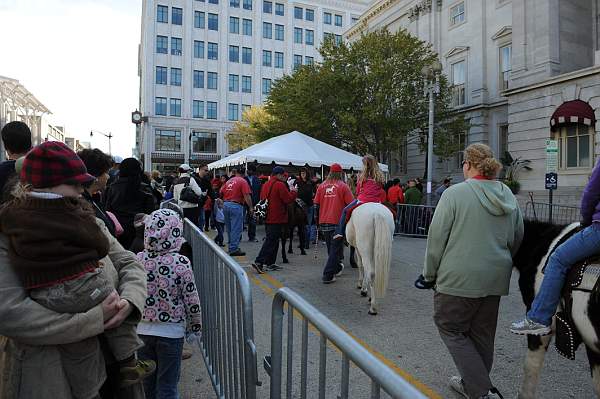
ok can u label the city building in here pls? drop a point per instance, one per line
(523, 72)
(202, 63)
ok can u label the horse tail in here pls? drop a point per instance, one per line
(382, 254)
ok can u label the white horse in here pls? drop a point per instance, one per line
(371, 231)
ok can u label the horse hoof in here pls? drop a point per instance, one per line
(363, 293)
(286, 261)
(303, 253)
(372, 313)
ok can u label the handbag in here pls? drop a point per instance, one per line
(261, 208)
(188, 195)
(118, 228)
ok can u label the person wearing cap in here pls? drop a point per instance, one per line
(113, 173)
(279, 197)
(191, 210)
(235, 193)
(333, 195)
(128, 196)
(67, 280)
(16, 138)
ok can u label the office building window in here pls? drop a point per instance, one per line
(211, 110)
(279, 9)
(355, 20)
(328, 36)
(234, 54)
(310, 37)
(327, 18)
(309, 60)
(162, 44)
(247, 27)
(160, 106)
(247, 4)
(297, 61)
(457, 14)
(338, 39)
(175, 107)
(213, 1)
(234, 3)
(298, 12)
(279, 32)
(505, 66)
(245, 107)
(338, 20)
(458, 83)
(234, 83)
(298, 35)
(502, 140)
(267, 55)
(233, 112)
(310, 14)
(162, 14)
(266, 86)
(198, 49)
(213, 51)
(267, 7)
(575, 146)
(161, 75)
(246, 84)
(213, 21)
(234, 25)
(176, 16)
(199, 19)
(198, 109)
(267, 30)
(211, 80)
(175, 76)
(278, 60)
(176, 46)
(204, 142)
(198, 79)
(167, 140)
(246, 55)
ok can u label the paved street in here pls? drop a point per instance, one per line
(402, 335)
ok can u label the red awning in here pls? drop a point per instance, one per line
(575, 111)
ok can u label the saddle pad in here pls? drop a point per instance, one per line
(584, 276)
(567, 338)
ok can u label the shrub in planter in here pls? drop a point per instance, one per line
(514, 185)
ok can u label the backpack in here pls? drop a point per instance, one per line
(187, 193)
(260, 209)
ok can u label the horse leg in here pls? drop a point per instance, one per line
(302, 237)
(284, 257)
(594, 360)
(373, 298)
(534, 361)
(360, 271)
(291, 236)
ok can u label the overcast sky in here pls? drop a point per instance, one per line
(79, 58)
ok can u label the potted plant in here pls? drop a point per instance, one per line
(512, 168)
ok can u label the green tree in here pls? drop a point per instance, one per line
(366, 96)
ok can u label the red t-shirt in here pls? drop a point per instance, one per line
(234, 189)
(332, 197)
(370, 191)
(395, 195)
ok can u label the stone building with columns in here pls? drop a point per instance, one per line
(516, 67)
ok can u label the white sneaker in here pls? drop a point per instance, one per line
(490, 395)
(456, 383)
(341, 270)
(529, 327)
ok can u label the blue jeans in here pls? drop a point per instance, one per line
(234, 223)
(219, 237)
(166, 352)
(201, 219)
(577, 248)
(341, 227)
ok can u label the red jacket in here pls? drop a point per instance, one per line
(279, 197)
(395, 195)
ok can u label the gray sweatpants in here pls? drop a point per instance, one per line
(468, 328)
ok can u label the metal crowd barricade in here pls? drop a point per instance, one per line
(413, 220)
(381, 376)
(227, 341)
(552, 213)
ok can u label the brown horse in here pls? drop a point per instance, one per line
(297, 218)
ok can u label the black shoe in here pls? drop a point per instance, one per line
(237, 252)
(258, 267)
(274, 267)
(252, 240)
(328, 280)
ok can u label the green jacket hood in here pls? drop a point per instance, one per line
(494, 196)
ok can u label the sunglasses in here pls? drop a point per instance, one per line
(462, 164)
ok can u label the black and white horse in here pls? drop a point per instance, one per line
(539, 241)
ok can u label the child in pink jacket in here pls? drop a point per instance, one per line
(172, 308)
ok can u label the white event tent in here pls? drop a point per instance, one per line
(294, 148)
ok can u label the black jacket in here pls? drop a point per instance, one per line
(100, 212)
(125, 206)
(7, 171)
(306, 191)
(205, 185)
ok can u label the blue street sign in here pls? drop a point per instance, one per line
(551, 181)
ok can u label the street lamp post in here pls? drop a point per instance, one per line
(432, 87)
(109, 136)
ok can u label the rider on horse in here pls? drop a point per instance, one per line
(578, 247)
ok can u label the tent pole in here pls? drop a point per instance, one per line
(322, 174)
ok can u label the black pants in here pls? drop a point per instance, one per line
(193, 214)
(207, 214)
(268, 251)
